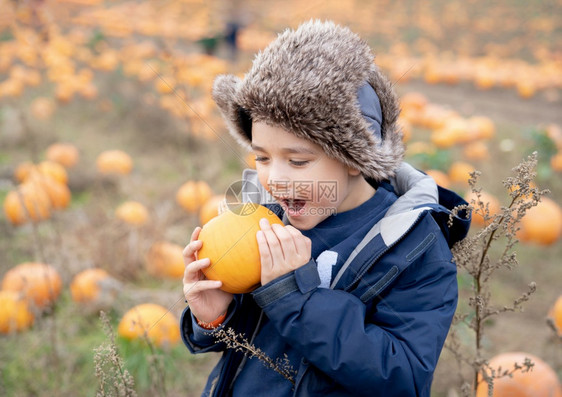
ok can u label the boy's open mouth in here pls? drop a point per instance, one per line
(294, 206)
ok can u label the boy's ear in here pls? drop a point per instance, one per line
(353, 171)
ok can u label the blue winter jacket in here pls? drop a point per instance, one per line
(380, 327)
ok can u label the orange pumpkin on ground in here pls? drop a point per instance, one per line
(87, 286)
(444, 138)
(540, 381)
(23, 169)
(476, 151)
(413, 100)
(59, 193)
(526, 88)
(481, 127)
(65, 154)
(54, 170)
(28, 202)
(556, 162)
(165, 260)
(555, 314)
(210, 209)
(487, 199)
(39, 282)
(554, 132)
(152, 321)
(542, 224)
(132, 212)
(229, 241)
(193, 194)
(439, 177)
(114, 162)
(42, 108)
(14, 312)
(459, 128)
(459, 173)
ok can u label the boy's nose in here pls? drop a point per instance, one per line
(278, 184)
(279, 187)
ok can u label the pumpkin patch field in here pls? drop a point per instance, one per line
(112, 152)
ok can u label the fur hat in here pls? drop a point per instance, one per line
(308, 81)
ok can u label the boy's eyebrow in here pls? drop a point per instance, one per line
(291, 150)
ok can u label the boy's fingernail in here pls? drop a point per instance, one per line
(264, 223)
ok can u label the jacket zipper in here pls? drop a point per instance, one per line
(367, 268)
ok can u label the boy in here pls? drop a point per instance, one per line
(359, 288)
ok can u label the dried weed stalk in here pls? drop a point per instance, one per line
(114, 379)
(475, 256)
(239, 343)
(157, 372)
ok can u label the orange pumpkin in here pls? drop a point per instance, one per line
(114, 162)
(23, 170)
(65, 154)
(28, 202)
(540, 381)
(42, 108)
(14, 312)
(151, 321)
(476, 151)
(54, 170)
(413, 100)
(193, 194)
(486, 199)
(165, 259)
(481, 127)
(556, 162)
(526, 88)
(132, 212)
(554, 132)
(459, 173)
(459, 129)
(229, 241)
(210, 209)
(555, 314)
(439, 177)
(542, 224)
(86, 286)
(444, 138)
(59, 193)
(39, 282)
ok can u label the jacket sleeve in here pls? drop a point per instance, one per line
(364, 347)
(198, 339)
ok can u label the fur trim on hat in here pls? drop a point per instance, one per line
(306, 82)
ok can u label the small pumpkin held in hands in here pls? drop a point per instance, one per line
(229, 241)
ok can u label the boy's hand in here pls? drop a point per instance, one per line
(282, 250)
(206, 300)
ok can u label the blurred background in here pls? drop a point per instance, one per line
(112, 151)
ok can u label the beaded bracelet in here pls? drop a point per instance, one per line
(213, 324)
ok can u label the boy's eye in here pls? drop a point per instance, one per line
(299, 163)
(261, 159)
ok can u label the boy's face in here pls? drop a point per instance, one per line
(309, 185)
